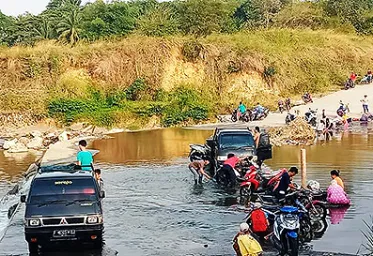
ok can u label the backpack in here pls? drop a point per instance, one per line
(264, 141)
(259, 221)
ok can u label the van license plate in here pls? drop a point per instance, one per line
(64, 233)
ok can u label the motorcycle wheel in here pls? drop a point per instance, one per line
(319, 227)
(306, 232)
(245, 192)
(246, 119)
(317, 211)
(313, 122)
(221, 178)
(293, 246)
(234, 118)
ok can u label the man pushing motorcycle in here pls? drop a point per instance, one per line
(241, 110)
(197, 167)
(285, 183)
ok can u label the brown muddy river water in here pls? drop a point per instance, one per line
(152, 207)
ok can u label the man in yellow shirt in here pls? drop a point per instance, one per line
(245, 244)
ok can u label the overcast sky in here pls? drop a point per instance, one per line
(16, 7)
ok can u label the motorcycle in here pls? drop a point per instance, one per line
(307, 98)
(303, 198)
(285, 230)
(281, 106)
(256, 181)
(241, 172)
(316, 208)
(259, 115)
(349, 84)
(287, 104)
(289, 118)
(246, 117)
(198, 152)
(310, 117)
(342, 110)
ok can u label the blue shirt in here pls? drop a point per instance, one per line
(242, 108)
(284, 182)
(85, 158)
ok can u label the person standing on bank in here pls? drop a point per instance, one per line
(84, 157)
(262, 145)
(256, 136)
(365, 104)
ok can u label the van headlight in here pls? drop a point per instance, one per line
(34, 222)
(94, 219)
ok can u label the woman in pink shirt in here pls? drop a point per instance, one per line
(336, 194)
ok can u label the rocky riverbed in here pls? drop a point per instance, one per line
(39, 136)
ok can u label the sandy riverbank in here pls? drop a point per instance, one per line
(329, 102)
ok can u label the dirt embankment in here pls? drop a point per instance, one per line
(258, 67)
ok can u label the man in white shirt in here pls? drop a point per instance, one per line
(365, 104)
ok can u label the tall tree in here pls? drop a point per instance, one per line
(69, 27)
(203, 17)
(102, 20)
(43, 27)
(254, 13)
(160, 22)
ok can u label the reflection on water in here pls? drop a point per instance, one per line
(156, 146)
(12, 166)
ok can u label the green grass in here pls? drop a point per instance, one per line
(179, 106)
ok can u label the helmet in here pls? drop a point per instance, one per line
(244, 227)
(313, 185)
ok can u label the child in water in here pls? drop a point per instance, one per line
(84, 157)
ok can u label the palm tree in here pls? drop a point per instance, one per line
(69, 27)
(43, 28)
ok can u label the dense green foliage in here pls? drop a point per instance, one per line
(69, 21)
(178, 106)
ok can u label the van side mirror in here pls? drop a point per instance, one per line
(102, 194)
(23, 198)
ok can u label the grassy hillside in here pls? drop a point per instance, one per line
(144, 81)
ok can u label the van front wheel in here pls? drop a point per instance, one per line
(98, 244)
(33, 248)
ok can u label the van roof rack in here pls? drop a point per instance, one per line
(70, 168)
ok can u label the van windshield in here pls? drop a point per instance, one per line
(64, 190)
(236, 140)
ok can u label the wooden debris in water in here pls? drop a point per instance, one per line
(298, 132)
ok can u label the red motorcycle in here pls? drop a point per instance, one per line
(257, 181)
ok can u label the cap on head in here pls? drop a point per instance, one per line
(244, 227)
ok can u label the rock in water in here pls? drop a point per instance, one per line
(36, 134)
(18, 148)
(24, 140)
(9, 143)
(36, 143)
